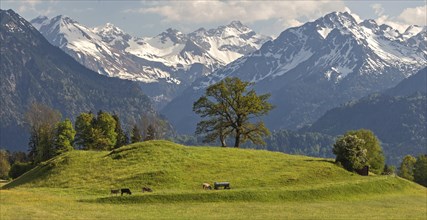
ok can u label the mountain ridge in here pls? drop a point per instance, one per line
(171, 60)
(314, 67)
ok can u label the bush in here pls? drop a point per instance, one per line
(359, 148)
(350, 152)
(18, 169)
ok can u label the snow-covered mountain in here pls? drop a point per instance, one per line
(171, 60)
(314, 67)
(95, 52)
(213, 48)
(108, 49)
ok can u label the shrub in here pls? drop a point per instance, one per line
(18, 169)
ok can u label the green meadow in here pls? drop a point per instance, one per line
(264, 185)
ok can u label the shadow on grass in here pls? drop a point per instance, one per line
(321, 160)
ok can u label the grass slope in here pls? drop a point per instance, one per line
(169, 167)
(78, 182)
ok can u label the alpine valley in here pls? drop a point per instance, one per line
(317, 74)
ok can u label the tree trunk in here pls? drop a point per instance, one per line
(222, 139)
(237, 140)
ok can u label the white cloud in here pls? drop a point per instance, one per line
(193, 12)
(33, 6)
(378, 9)
(409, 16)
(416, 15)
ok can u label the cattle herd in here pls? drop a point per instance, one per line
(207, 186)
(127, 191)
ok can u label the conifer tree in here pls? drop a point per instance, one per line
(122, 138)
(151, 133)
(135, 135)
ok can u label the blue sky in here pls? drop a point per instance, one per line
(149, 18)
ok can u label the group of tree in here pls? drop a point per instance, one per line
(49, 136)
(100, 132)
(414, 169)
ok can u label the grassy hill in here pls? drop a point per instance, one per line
(80, 181)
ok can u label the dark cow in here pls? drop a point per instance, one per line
(126, 190)
(115, 191)
(146, 189)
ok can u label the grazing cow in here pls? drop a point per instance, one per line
(115, 191)
(127, 191)
(206, 186)
(146, 189)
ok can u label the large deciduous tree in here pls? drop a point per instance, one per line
(232, 108)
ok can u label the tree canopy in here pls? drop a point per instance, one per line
(374, 151)
(350, 152)
(406, 169)
(64, 137)
(231, 108)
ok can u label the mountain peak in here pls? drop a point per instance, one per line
(236, 24)
(338, 19)
(108, 28)
(369, 23)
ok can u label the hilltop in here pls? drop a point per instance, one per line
(169, 167)
(264, 185)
